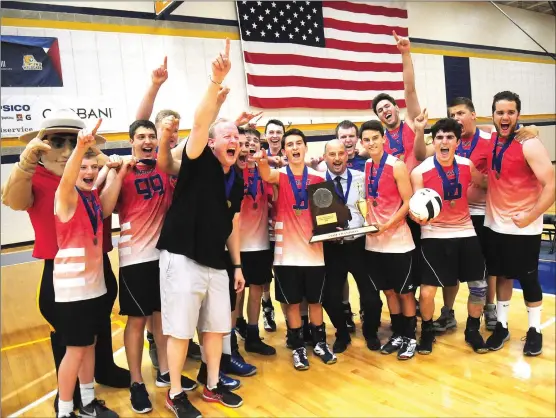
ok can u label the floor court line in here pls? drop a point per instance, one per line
(11, 347)
(548, 323)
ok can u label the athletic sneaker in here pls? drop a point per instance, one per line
(140, 401)
(71, 415)
(490, 316)
(97, 409)
(349, 318)
(194, 351)
(533, 343)
(268, 315)
(341, 344)
(373, 343)
(407, 349)
(181, 406)
(222, 395)
(163, 381)
(500, 335)
(241, 328)
(300, 360)
(393, 344)
(240, 367)
(229, 382)
(445, 321)
(153, 354)
(254, 344)
(426, 341)
(474, 338)
(323, 351)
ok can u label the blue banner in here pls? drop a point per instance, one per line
(30, 61)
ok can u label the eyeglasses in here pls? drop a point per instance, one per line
(58, 142)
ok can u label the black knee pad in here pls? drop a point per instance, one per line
(532, 291)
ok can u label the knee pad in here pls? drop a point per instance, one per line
(477, 292)
(532, 291)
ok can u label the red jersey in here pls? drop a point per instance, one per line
(478, 154)
(253, 216)
(515, 190)
(78, 268)
(405, 153)
(293, 231)
(145, 197)
(398, 238)
(454, 221)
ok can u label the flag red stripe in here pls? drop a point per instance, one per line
(330, 23)
(361, 47)
(321, 83)
(291, 59)
(301, 102)
(365, 9)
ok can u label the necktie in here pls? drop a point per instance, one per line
(339, 186)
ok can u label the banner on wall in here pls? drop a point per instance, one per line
(21, 114)
(30, 61)
(161, 5)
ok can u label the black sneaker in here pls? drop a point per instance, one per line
(323, 351)
(268, 316)
(194, 351)
(140, 401)
(533, 343)
(254, 344)
(349, 318)
(96, 409)
(393, 344)
(474, 338)
(300, 360)
(426, 341)
(241, 328)
(181, 406)
(445, 321)
(153, 354)
(341, 344)
(163, 381)
(500, 335)
(373, 343)
(222, 395)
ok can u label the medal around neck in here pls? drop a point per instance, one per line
(329, 212)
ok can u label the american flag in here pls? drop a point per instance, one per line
(321, 55)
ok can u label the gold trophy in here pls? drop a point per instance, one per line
(361, 204)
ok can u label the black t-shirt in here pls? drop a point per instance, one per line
(199, 221)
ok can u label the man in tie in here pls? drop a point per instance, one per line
(343, 256)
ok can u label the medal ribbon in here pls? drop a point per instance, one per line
(451, 188)
(299, 194)
(148, 161)
(252, 188)
(497, 159)
(372, 185)
(92, 212)
(396, 144)
(229, 182)
(344, 197)
(462, 152)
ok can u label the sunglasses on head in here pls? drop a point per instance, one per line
(59, 141)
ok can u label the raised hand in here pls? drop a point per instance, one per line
(37, 146)
(221, 65)
(420, 122)
(246, 118)
(114, 161)
(402, 43)
(259, 157)
(160, 75)
(526, 132)
(168, 127)
(86, 138)
(222, 95)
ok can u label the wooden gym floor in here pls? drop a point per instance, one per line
(453, 381)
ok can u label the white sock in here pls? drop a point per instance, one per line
(227, 344)
(502, 309)
(65, 408)
(266, 296)
(203, 358)
(535, 317)
(173, 395)
(87, 393)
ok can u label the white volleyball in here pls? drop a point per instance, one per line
(425, 204)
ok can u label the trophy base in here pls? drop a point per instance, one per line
(343, 233)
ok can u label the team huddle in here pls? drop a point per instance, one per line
(225, 209)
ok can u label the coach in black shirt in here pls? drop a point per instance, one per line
(198, 226)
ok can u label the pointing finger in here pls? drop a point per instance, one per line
(227, 49)
(396, 37)
(94, 131)
(165, 65)
(41, 133)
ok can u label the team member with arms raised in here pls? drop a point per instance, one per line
(521, 189)
(298, 265)
(450, 248)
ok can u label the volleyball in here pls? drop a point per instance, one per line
(425, 204)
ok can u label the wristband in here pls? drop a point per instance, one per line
(215, 82)
(238, 266)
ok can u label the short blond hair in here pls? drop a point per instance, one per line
(164, 114)
(217, 122)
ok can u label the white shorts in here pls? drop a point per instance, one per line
(193, 296)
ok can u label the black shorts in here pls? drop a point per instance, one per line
(390, 271)
(445, 261)
(479, 225)
(140, 289)
(78, 323)
(295, 283)
(415, 229)
(512, 256)
(257, 267)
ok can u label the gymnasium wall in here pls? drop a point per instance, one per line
(108, 50)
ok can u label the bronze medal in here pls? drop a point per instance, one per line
(229, 204)
(95, 241)
(375, 203)
(298, 212)
(402, 157)
(497, 175)
(452, 203)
